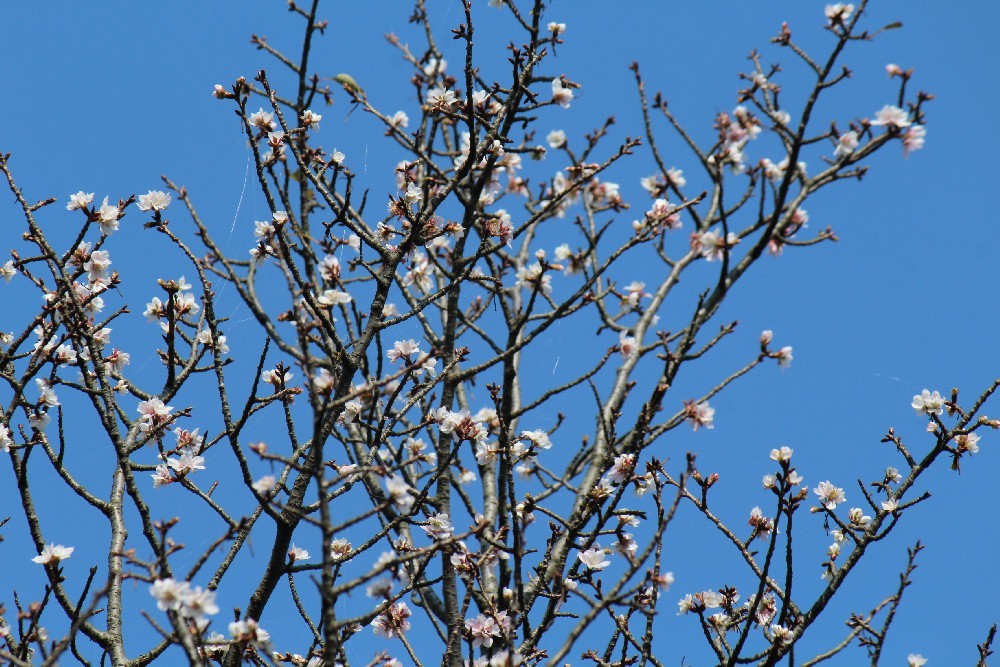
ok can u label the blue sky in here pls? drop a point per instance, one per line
(106, 97)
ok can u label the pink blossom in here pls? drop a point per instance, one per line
(440, 99)
(783, 455)
(538, 438)
(155, 200)
(829, 495)
(926, 402)
(891, 115)
(784, 356)
(310, 119)
(500, 226)
(188, 462)
(627, 345)
(262, 120)
(107, 217)
(247, 631)
(402, 349)
(483, 630)
(594, 558)
(80, 200)
(6, 439)
(710, 245)
(298, 553)
(169, 593)
(913, 139)
(839, 12)
(699, 415)
(846, 144)
(439, 526)
(152, 414)
(620, 470)
(393, 622)
(561, 94)
(399, 119)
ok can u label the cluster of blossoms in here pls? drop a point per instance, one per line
(278, 377)
(621, 469)
(483, 629)
(419, 452)
(153, 200)
(493, 160)
(762, 526)
(897, 120)
(698, 602)
(180, 303)
(94, 265)
(409, 351)
(561, 193)
(187, 461)
(461, 425)
(248, 631)
(711, 245)
(735, 130)
(787, 231)
(730, 617)
(929, 403)
(783, 355)
(602, 195)
(38, 416)
(440, 100)
(399, 492)
(776, 172)
(439, 526)
(394, 621)
(188, 601)
(633, 293)
(656, 184)
(526, 446)
(153, 415)
(365, 395)
(6, 438)
(274, 139)
(420, 272)
(500, 227)
(829, 495)
(266, 235)
(787, 476)
(504, 658)
(534, 277)
(204, 337)
(468, 563)
(106, 215)
(661, 217)
(933, 405)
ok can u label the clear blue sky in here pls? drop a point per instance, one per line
(105, 97)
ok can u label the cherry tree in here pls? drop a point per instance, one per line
(383, 440)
